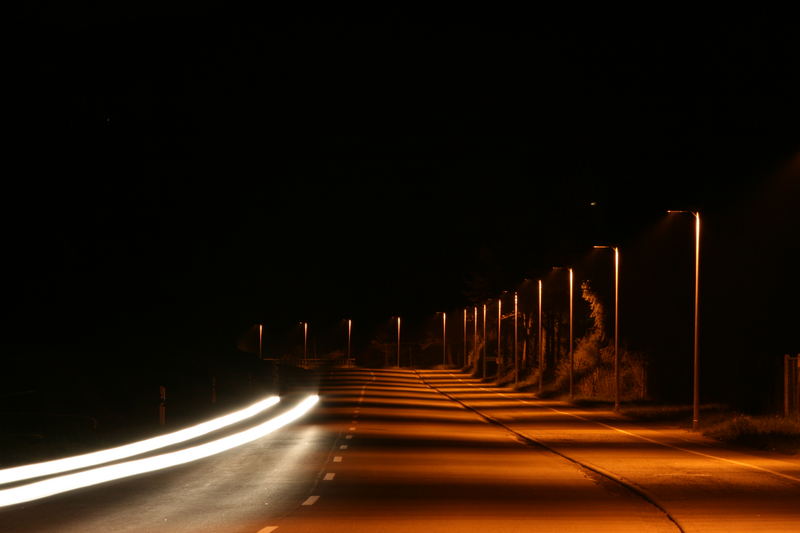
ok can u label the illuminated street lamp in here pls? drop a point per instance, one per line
(305, 341)
(475, 333)
(571, 344)
(499, 324)
(398, 342)
(349, 336)
(516, 360)
(465, 337)
(540, 343)
(616, 324)
(696, 361)
(444, 339)
(484, 340)
(260, 334)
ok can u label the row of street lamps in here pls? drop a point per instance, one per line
(540, 343)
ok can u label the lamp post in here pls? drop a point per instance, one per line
(484, 340)
(349, 336)
(696, 358)
(475, 334)
(571, 345)
(465, 338)
(516, 360)
(499, 324)
(540, 344)
(398, 342)
(616, 324)
(444, 339)
(260, 334)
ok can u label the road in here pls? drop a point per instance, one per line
(400, 450)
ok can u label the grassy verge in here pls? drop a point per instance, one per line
(772, 433)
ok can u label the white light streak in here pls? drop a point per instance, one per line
(56, 466)
(103, 474)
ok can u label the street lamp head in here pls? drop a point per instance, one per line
(691, 212)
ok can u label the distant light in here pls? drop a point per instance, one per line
(103, 474)
(592, 203)
(65, 464)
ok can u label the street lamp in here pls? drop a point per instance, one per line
(499, 324)
(465, 337)
(516, 361)
(444, 339)
(349, 336)
(475, 333)
(571, 345)
(260, 334)
(484, 340)
(696, 362)
(616, 324)
(398, 342)
(305, 342)
(540, 343)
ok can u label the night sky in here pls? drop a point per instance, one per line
(173, 178)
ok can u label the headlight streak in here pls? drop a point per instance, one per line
(56, 466)
(103, 474)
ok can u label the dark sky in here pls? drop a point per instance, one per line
(187, 174)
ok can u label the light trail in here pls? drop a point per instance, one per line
(57, 466)
(103, 474)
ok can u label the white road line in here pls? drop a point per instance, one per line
(349, 437)
(343, 447)
(268, 529)
(667, 445)
(311, 500)
(329, 476)
(337, 459)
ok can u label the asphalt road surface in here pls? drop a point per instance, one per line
(399, 450)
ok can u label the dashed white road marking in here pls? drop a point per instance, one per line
(337, 459)
(329, 476)
(311, 500)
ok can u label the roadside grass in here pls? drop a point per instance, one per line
(761, 432)
(773, 433)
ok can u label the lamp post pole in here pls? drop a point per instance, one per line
(571, 344)
(465, 338)
(499, 324)
(484, 340)
(616, 324)
(398, 342)
(444, 339)
(696, 355)
(349, 336)
(305, 343)
(475, 334)
(516, 359)
(540, 344)
(260, 335)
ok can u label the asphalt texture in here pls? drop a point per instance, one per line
(403, 450)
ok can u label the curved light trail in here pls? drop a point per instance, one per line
(102, 474)
(57, 466)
